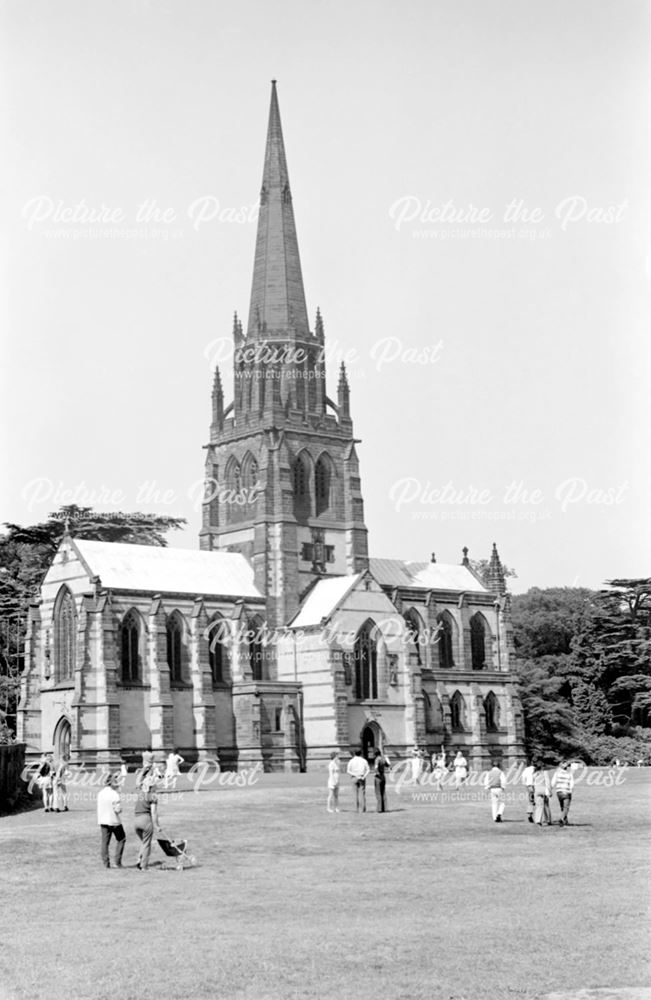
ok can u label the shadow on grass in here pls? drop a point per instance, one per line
(24, 802)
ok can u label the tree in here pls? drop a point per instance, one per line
(545, 621)
(549, 723)
(25, 555)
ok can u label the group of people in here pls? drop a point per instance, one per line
(109, 819)
(358, 770)
(539, 787)
(151, 768)
(438, 766)
(51, 780)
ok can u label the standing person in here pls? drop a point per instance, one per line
(542, 792)
(439, 769)
(146, 769)
(416, 763)
(109, 820)
(380, 779)
(358, 769)
(563, 782)
(527, 781)
(46, 780)
(60, 789)
(333, 782)
(460, 770)
(146, 811)
(495, 783)
(172, 767)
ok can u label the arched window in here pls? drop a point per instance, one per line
(257, 658)
(218, 637)
(478, 642)
(444, 641)
(174, 629)
(322, 478)
(491, 713)
(415, 635)
(301, 487)
(130, 647)
(249, 471)
(233, 475)
(365, 654)
(457, 712)
(65, 636)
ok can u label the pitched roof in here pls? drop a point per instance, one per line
(427, 575)
(324, 598)
(180, 571)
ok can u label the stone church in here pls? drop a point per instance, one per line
(278, 640)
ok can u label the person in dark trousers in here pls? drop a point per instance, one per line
(109, 820)
(380, 781)
(146, 820)
(563, 782)
(358, 769)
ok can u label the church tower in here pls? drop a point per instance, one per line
(282, 474)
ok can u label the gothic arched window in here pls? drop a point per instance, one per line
(444, 640)
(415, 635)
(457, 712)
(130, 647)
(322, 476)
(365, 655)
(65, 636)
(218, 636)
(249, 471)
(478, 642)
(491, 712)
(174, 631)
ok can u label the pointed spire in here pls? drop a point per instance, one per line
(277, 293)
(318, 325)
(495, 579)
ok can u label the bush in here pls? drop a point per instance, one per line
(603, 750)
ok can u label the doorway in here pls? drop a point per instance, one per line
(62, 736)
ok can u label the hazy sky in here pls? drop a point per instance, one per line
(409, 129)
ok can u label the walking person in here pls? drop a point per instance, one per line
(380, 780)
(563, 782)
(333, 782)
(495, 783)
(542, 814)
(109, 819)
(358, 770)
(147, 767)
(146, 823)
(460, 770)
(60, 788)
(45, 781)
(527, 781)
(172, 767)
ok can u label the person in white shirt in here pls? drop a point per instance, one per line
(358, 769)
(109, 820)
(172, 768)
(527, 781)
(460, 770)
(495, 783)
(563, 782)
(333, 782)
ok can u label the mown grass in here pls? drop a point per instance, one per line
(430, 900)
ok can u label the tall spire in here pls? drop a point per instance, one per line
(277, 295)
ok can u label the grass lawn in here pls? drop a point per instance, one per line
(430, 900)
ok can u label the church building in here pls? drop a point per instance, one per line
(279, 639)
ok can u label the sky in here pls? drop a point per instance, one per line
(470, 186)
